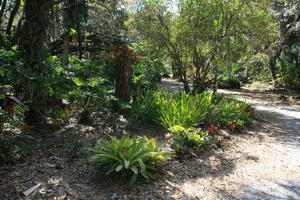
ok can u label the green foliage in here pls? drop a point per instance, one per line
(183, 109)
(84, 84)
(254, 68)
(233, 113)
(290, 68)
(8, 58)
(41, 86)
(188, 140)
(145, 108)
(15, 120)
(201, 37)
(169, 109)
(75, 10)
(148, 73)
(91, 85)
(129, 155)
(229, 83)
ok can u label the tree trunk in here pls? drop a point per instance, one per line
(78, 27)
(123, 82)
(33, 41)
(185, 82)
(174, 71)
(181, 73)
(228, 57)
(66, 49)
(272, 66)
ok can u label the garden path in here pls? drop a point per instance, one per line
(266, 157)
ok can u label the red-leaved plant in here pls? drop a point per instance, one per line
(8, 100)
(212, 129)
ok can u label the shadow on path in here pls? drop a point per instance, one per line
(273, 190)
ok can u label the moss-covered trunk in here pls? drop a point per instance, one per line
(33, 45)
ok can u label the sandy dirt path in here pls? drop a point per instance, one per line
(265, 161)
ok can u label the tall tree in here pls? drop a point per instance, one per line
(33, 45)
(197, 36)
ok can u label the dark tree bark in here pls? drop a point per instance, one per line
(12, 17)
(33, 44)
(122, 58)
(17, 35)
(272, 66)
(3, 6)
(123, 82)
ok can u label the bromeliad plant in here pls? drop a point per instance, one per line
(188, 140)
(137, 155)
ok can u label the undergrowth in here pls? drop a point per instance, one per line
(168, 109)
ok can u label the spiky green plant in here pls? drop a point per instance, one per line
(167, 109)
(183, 109)
(137, 155)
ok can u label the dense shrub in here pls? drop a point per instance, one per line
(169, 109)
(88, 91)
(84, 83)
(290, 75)
(233, 113)
(149, 72)
(229, 83)
(183, 109)
(145, 108)
(129, 155)
(187, 140)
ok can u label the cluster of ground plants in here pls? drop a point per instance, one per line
(170, 109)
(190, 123)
